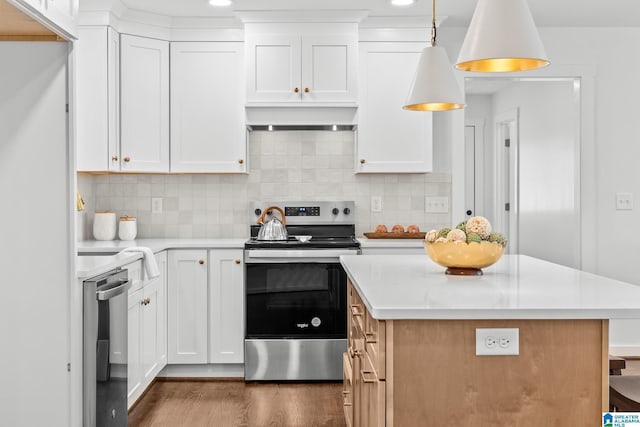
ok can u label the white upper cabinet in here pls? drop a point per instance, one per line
(144, 104)
(390, 139)
(207, 108)
(309, 64)
(61, 16)
(97, 97)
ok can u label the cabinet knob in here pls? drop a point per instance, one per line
(200, 261)
(363, 161)
(127, 159)
(306, 90)
(240, 162)
(296, 90)
(238, 261)
(114, 158)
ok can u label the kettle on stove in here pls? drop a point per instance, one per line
(274, 229)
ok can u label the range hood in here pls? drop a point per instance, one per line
(302, 117)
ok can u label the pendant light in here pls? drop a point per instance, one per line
(502, 37)
(434, 86)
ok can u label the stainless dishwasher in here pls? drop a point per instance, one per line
(105, 349)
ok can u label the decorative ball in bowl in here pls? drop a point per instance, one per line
(466, 249)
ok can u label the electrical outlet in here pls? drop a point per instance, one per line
(436, 204)
(624, 201)
(376, 204)
(156, 205)
(497, 341)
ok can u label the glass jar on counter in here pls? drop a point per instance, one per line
(128, 228)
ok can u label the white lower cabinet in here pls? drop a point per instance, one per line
(187, 312)
(206, 306)
(226, 306)
(147, 342)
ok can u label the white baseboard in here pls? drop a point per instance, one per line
(203, 371)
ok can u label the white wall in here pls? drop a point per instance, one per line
(613, 167)
(36, 255)
(547, 147)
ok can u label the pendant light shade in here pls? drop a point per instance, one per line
(502, 37)
(434, 86)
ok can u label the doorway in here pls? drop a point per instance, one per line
(531, 189)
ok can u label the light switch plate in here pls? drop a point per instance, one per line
(438, 204)
(156, 205)
(624, 201)
(376, 204)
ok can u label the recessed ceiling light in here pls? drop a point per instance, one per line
(220, 2)
(402, 2)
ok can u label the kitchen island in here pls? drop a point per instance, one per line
(412, 343)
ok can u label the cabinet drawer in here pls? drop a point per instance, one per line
(374, 338)
(372, 403)
(347, 388)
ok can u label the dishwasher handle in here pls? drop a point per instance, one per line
(121, 287)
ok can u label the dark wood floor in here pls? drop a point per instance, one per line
(234, 403)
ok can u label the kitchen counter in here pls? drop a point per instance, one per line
(428, 342)
(365, 242)
(516, 287)
(92, 266)
(157, 245)
(99, 256)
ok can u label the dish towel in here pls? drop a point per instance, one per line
(150, 264)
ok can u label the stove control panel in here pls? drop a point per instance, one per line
(302, 211)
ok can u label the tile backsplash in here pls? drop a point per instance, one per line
(293, 165)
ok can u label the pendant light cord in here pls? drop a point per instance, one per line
(433, 23)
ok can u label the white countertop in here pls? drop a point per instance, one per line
(92, 266)
(516, 287)
(157, 245)
(365, 242)
(99, 256)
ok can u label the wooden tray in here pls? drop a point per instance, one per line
(419, 235)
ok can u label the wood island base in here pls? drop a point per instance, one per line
(426, 373)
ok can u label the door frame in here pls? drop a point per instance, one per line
(585, 74)
(506, 172)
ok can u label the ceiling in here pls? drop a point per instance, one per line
(546, 13)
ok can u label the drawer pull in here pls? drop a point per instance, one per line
(237, 261)
(370, 338)
(363, 375)
(200, 261)
(127, 159)
(356, 310)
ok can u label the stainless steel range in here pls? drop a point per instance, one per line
(296, 314)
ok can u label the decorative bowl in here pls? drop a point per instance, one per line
(464, 259)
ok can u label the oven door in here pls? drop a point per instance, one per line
(295, 299)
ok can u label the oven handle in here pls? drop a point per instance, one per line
(307, 253)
